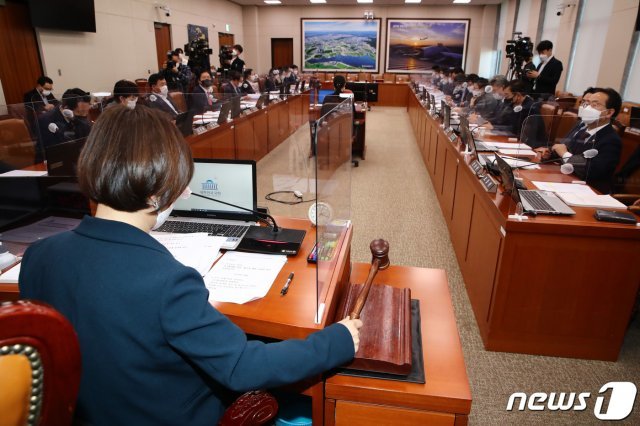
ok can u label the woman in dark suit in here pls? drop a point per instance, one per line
(154, 350)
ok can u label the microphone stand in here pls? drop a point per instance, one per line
(273, 224)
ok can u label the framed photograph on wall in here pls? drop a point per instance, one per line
(197, 32)
(340, 45)
(416, 45)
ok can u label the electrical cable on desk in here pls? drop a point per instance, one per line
(297, 194)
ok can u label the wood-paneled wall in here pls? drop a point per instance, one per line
(20, 66)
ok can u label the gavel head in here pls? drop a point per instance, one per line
(380, 250)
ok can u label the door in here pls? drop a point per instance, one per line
(163, 42)
(281, 52)
(225, 39)
(18, 45)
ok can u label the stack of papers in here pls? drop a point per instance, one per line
(42, 229)
(24, 173)
(11, 276)
(513, 162)
(508, 145)
(586, 200)
(519, 152)
(567, 188)
(197, 250)
(243, 277)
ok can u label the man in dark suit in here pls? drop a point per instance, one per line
(68, 121)
(548, 72)
(232, 87)
(159, 97)
(604, 106)
(40, 99)
(237, 64)
(202, 99)
(526, 122)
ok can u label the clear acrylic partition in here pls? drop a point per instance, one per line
(333, 132)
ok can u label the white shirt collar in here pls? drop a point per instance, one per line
(596, 130)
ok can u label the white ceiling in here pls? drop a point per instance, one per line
(354, 3)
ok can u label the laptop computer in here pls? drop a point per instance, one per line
(62, 158)
(231, 181)
(304, 82)
(236, 110)
(263, 100)
(224, 112)
(533, 201)
(184, 122)
(473, 144)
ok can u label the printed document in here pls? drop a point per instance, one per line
(197, 250)
(567, 188)
(242, 277)
(42, 229)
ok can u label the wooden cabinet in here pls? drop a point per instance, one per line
(349, 413)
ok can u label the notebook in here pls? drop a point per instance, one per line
(231, 181)
(533, 201)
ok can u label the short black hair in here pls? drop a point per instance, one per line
(155, 78)
(125, 88)
(238, 48)
(460, 78)
(518, 86)
(247, 73)
(234, 75)
(339, 82)
(71, 97)
(472, 77)
(42, 80)
(458, 70)
(202, 72)
(481, 82)
(544, 45)
(614, 101)
(294, 67)
(179, 51)
(590, 90)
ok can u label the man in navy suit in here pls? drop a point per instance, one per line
(202, 98)
(41, 99)
(232, 87)
(159, 97)
(154, 349)
(604, 106)
(68, 121)
(548, 72)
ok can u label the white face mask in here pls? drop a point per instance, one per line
(589, 114)
(132, 104)
(544, 57)
(517, 108)
(464, 84)
(580, 109)
(488, 89)
(234, 53)
(254, 78)
(67, 113)
(498, 96)
(46, 92)
(476, 92)
(162, 217)
(164, 90)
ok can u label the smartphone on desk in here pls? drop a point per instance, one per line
(614, 216)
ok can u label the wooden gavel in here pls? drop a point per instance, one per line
(380, 260)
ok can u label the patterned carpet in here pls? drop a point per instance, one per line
(392, 198)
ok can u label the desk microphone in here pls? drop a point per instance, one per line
(273, 239)
(567, 168)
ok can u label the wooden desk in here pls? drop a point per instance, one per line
(445, 398)
(559, 286)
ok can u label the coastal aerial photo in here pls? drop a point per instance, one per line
(417, 45)
(340, 45)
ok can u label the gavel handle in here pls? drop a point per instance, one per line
(362, 297)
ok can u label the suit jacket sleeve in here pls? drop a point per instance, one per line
(550, 75)
(221, 349)
(602, 166)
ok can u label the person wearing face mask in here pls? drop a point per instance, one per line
(125, 93)
(67, 122)
(248, 77)
(295, 73)
(547, 74)
(172, 76)
(232, 87)
(597, 114)
(237, 64)
(202, 98)
(273, 81)
(40, 99)
(526, 67)
(458, 89)
(482, 103)
(184, 72)
(525, 122)
(503, 108)
(172, 356)
(159, 98)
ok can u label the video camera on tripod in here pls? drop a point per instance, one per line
(518, 50)
(198, 52)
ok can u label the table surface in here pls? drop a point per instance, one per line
(447, 385)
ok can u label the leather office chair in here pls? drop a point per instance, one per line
(389, 77)
(39, 364)
(262, 82)
(567, 102)
(179, 100)
(402, 78)
(364, 76)
(549, 117)
(321, 76)
(40, 368)
(143, 86)
(17, 149)
(328, 76)
(566, 122)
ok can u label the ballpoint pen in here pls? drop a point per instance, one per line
(285, 289)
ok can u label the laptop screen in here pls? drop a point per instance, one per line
(232, 181)
(508, 179)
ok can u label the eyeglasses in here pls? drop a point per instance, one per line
(594, 104)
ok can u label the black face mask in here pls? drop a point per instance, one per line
(206, 83)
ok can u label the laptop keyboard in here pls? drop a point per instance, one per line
(537, 202)
(213, 229)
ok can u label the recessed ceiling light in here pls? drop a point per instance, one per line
(318, 1)
(365, 1)
(272, 1)
(462, 1)
(413, 1)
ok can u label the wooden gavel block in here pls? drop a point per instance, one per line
(385, 338)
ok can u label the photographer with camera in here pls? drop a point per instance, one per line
(547, 74)
(198, 52)
(237, 64)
